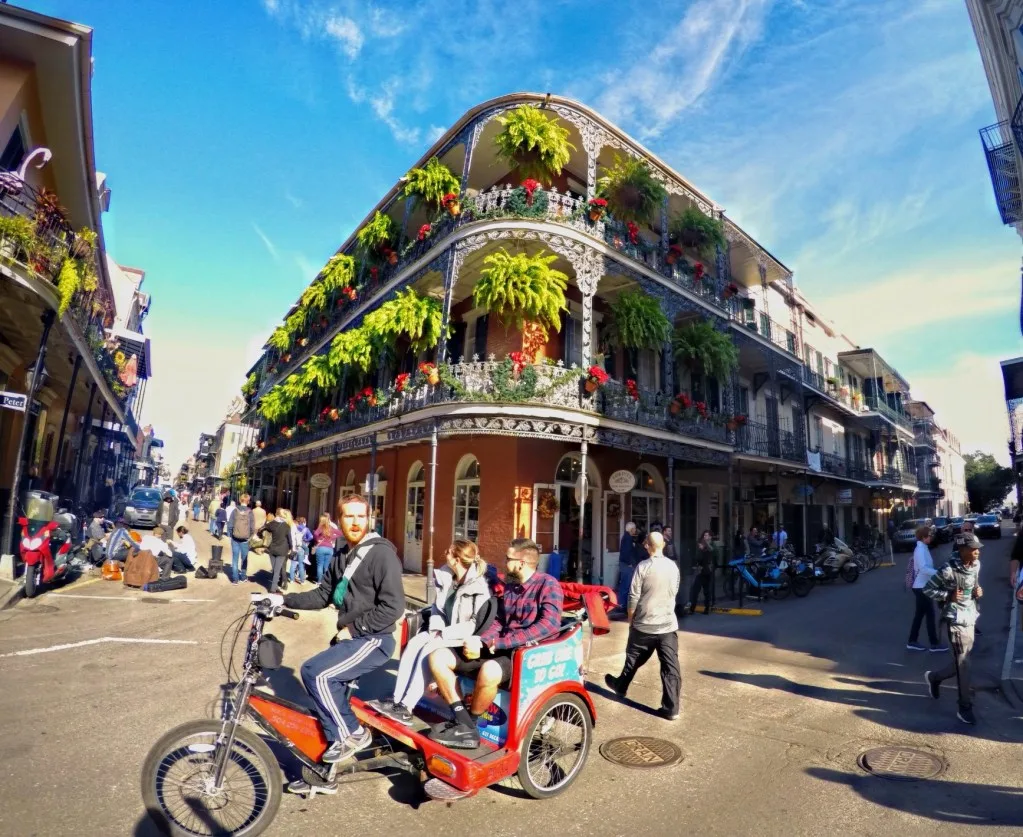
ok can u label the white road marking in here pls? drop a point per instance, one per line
(122, 598)
(129, 640)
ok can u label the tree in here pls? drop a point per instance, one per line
(987, 482)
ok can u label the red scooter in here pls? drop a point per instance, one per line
(46, 542)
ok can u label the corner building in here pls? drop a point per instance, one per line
(809, 429)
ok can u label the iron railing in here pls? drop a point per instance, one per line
(770, 440)
(1001, 162)
(879, 405)
(743, 310)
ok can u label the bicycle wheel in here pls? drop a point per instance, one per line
(801, 586)
(782, 590)
(178, 778)
(862, 561)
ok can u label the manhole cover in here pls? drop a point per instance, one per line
(903, 763)
(639, 751)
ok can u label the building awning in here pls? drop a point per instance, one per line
(133, 343)
(869, 364)
(1012, 378)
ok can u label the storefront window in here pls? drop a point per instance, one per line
(647, 499)
(414, 503)
(467, 500)
(379, 500)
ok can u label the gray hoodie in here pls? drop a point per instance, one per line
(955, 575)
(455, 608)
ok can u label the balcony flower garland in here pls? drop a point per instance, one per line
(505, 389)
(632, 389)
(429, 370)
(530, 186)
(424, 232)
(401, 381)
(451, 203)
(597, 208)
(674, 254)
(595, 378)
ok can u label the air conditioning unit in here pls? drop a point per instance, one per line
(742, 495)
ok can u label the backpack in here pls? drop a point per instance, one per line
(140, 568)
(241, 528)
(910, 574)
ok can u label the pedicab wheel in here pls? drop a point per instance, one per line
(849, 572)
(782, 590)
(178, 777)
(33, 574)
(801, 586)
(555, 747)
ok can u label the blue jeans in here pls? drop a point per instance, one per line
(213, 525)
(298, 564)
(239, 554)
(625, 572)
(323, 555)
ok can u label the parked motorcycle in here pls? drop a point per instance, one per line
(836, 561)
(47, 541)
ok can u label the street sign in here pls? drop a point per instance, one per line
(13, 401)
(843, 497)
(622, 482)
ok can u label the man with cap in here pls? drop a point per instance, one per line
(956, 589)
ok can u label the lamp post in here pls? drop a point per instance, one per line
(35, 382)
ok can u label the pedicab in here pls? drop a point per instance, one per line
(220, 777)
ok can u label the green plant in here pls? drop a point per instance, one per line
(297, 321)
(432, 182)
(631, 191)
(320, 373)
(410, 314)
(339, 272)
(68, 282)
(698, 231)
(638, 322)
(276, 404)
(699, 343)
(280, 340)
(250, 386)
(534, 143)
(314, 298)
(506, 389)
(353, 347)
(19, 232)
(379, 233)
(522, 289)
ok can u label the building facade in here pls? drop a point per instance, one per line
(233, 437)
(941, 470)
(492, 432)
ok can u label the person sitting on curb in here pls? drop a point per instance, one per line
(184, 552)
(529, 611)
(155, 543)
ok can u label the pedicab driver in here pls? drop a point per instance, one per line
(364, 582)
(528, 611)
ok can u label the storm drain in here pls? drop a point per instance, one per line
(640, 751)
(901, 763)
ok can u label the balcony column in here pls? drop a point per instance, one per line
(664, 224)
(455, 257)
(472, 135)
(588, 271)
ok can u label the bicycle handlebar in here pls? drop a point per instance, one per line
(290, 614)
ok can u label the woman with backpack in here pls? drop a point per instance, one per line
(918, 573)
(324, 538)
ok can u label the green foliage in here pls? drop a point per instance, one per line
(533, 142)
(68, 283)
(296, 322)
(338, 273)
(250, 385)
(19, 231)
(432, 182)
(410, 314)
(380, 232)
(314, 298)
(280, 339)
(353, 347)
(507, 390)
(296, 387)
(987, 482)
(699, 344)
(638, 322)
(276, 404)
(320, 373)
(521, 288)
(698, 231)
(630, 189)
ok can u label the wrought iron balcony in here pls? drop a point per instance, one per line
(879, 405)
(653, 409)
(1001, 162)
(839, 392)
(763, 439)
(757, 321)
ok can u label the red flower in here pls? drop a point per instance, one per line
(450, 197)
(597, 375)
(374, 272)
(424, 231)
(530, 186)
(400, 381)
(301, 423)
(633, 232)
(351, 405)
(632, 389)
(675, 250)
(684, 399)
(598, 203)
(367, 392)
(427, 368)
(740, 419)
(518, 360)
(701, 408)
(324, 412)
(698, 270)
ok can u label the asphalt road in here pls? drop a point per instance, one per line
(776, 710)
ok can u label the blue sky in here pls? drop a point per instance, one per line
(244, 140)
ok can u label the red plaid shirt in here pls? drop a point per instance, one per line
(528, 612)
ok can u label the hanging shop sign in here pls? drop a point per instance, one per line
(13, 401)
(580, 489)
(843, 497)
(801, 491)
(765, 493)
(319, 481)
(622, 482)
(715, 504)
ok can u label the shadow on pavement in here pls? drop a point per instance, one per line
(595, 689)
(947, 802)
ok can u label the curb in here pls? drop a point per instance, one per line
(1008, 688)
(13, 593)
(737, 611)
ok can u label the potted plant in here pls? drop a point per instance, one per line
(832, 382)
(674, 254)
(637, 321)
(631, 191)
(699, 232)
(530, 185)
(597, 208)
(378, 234)
(632, 389)
(518, 360)
(844, 391)
(523, 290)
(698, 271)
(595, 378)
(431, 373)
(424, 232)
(434, 183)
(533, 142)
(417, 317)
(451, 203)
(338, 273)
(731, 289)
(401, 381)
(680, 402)
(699, 343)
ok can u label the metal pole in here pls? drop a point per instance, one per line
(584, 497)
(95, 457)
(433, 505)
(669, 520)
(86, 424)
(372, 480)
(12, 504)
(67, 407)
(806, 521)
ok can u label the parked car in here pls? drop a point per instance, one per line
(942, 529)
(987, 526)
(142, 507)
(957, 525)
(905, 535)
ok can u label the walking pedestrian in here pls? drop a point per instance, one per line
(280, 547)
(211, 511)
(305, 537)
(922, 570)
(780, 537)
(704, 579)
(240, 527)
(956, 588)
(196, 505)
(288, 574)
(324, 539)
(628, 555)
(259, 513)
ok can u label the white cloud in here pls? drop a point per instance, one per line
(346, 33)
(270, 247)
(384, 24)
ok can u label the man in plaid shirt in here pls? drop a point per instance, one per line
(529, 610)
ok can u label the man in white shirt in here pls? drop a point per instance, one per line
(155, 543)
(184, 551)
(653, 626)
(781, 537)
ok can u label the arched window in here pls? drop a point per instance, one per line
(467, 499)
(569, 469)
(346, 489)
(415, 496)
(648, 498)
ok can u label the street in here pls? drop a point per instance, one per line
(776, 710)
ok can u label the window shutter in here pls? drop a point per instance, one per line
(481, 337)
(568, 330)
(457, 343)
(713, 393)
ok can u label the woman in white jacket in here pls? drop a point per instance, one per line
(923, 569)
(462, 596)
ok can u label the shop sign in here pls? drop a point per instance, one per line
(843, 496)
(622, 482)
(319, 481)
(715, 504)
(13, 401)
(765, 493)
(580, 489)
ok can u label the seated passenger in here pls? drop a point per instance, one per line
(528, 611)
(456, 614)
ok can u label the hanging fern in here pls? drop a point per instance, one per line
(280, 339)
(353, 347)
(638, 322)
(296, 322)
(700, 344)
(698, 231)
(319, 373)
(432, 182)
(417, 317)
(630, 189)
(338, 273)
(521, 288)
(380, 232)
(276, 404)
(314, 298)
(68, 283)
(534, 143)
(251, 385)
(296, 387)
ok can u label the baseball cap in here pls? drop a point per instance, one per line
(970, 541)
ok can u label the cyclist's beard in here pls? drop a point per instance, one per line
(514, 576)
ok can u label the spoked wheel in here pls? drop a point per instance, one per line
(862, 561)
(33, 579)
(801, 586)
(849, 572)
(782, 590)
(555, 747)
(178, 779)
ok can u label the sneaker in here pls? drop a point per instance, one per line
(914, 646)
(303, 788)
(668, 716)
(343, 750)
(939, 649)
(965, 714)
(612, 684)
(394, 711)
(457, 736)
(933, 686)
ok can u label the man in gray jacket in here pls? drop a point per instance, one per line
(653, 626)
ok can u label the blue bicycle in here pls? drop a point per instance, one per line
(772, 575)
